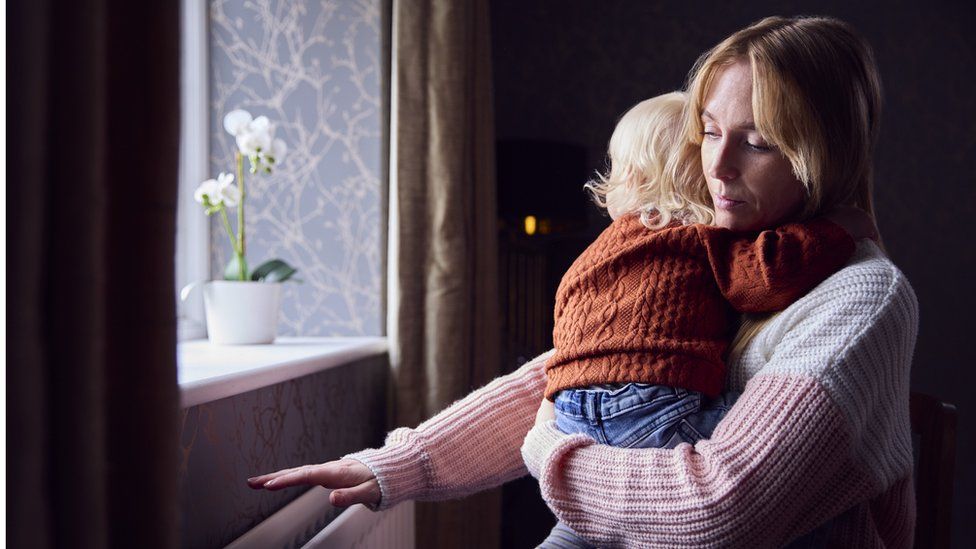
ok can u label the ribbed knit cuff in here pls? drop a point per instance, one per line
(400, 468)
(545, 439)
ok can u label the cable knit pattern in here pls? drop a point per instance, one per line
(657, 306)
(820, 435)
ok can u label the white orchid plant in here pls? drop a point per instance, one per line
(255, 140)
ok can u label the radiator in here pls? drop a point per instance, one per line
(302, 524)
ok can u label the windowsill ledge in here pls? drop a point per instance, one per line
(211, 372)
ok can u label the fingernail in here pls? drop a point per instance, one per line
(269, 483)
(252, 479)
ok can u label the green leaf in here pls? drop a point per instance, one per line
(233, 270)
(274, 270)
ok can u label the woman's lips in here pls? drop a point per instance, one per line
(725, 203)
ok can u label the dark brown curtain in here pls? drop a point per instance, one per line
(443, 246)
(93, 148)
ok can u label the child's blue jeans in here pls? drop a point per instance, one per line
(636, 415)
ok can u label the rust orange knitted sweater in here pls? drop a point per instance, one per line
(660, 306)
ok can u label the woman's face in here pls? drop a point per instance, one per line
(752, 185)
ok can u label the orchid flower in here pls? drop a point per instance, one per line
(218, 192)
(255, 141)
(228, 192)
(236, 122)
(206, 192)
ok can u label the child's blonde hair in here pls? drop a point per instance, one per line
(649, 169)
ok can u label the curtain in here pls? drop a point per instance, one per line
(443, 277)
(92, 397)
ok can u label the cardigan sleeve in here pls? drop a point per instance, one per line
(769, 271)
(821, 429)
(471, 445)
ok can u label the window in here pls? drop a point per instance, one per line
(314, 69)
(192, 228)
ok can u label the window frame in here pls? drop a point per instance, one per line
(192, 225)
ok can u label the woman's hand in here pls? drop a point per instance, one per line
(547, 412)
(351, 481)
(855, 221)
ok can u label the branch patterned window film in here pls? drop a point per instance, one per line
(314, 67)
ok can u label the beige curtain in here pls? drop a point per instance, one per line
(443, 299)
(92, 398)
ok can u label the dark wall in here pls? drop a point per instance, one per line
(567, 70)
(311, 419)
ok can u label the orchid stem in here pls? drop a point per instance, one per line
(240, 216)
(230, 232)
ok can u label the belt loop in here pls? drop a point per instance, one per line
(592, 405)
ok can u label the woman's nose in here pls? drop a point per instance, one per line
(723, 166)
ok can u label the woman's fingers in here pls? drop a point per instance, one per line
(344, 473)
(351, 481)
(367, 492)
(258, 481)
(302, 476)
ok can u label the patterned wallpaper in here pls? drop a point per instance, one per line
(313, 69)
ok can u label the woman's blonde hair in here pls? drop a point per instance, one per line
(649, 166)
(816, 96)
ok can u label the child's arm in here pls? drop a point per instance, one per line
(769, 271)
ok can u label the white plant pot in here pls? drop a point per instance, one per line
(241, 313)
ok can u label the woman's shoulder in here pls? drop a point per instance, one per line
(870, 279)
(853, 337)
(865, 305)
(868, 285)
(870, 259)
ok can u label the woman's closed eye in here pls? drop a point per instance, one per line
(759, 147)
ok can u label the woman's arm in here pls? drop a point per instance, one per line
(823, 428)
(470, 446)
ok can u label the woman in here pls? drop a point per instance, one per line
(784, 115)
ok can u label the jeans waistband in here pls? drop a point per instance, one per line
(594, 404)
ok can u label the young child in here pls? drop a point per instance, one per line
(645, 315)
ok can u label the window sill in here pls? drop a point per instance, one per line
(211, 372)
